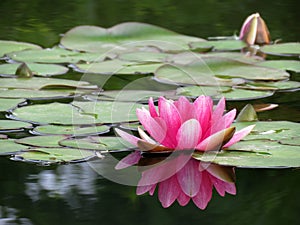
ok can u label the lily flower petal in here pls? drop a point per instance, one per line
(128, 137)
(152, 108)
(129, 160)
(189, 178)
(188, 134)
(217, 140)
(185, 109)
(155, 129)
(239, 135)
(205, 193)
(168, 191)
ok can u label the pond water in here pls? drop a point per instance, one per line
(75, 194)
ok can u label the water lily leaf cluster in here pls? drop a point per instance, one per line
(96, 78)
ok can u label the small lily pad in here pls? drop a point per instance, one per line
(12, 46)
(37, 83)
(270, 86)
(109, 112)
(36, 68)
(8, 125)
(291, 65)
(255, 154)
(129, 95)
(206, 70)
(124, 36)
(46, 141)
(271, 130)
(229, 93)
(142, 56)
(38, 94)
(97, 143)
(78, 113)
(54, 55)
(53, 113)
(9, 147)
(7, 104)
(222, 45)
(71, 130)
(111, 67)
(290, 49)
(46, 156)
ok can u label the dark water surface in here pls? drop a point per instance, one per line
(75, 194)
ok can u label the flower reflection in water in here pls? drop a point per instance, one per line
(165, 159)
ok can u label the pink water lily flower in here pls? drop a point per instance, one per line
(182, 126)
(255, 31)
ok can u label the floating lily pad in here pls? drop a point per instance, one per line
(12, 46)
(142, 56)
(46, 141)
(9, 147)
(38, 94)
(292, 48)
(7, 125)
(124, 35)
(271, 130)
(229, 93)
(205, 71)
(291, 65)
(71, 130)
(222, 45)
(271, 86)
(7, 104)
(109, 112)
(37, 83)
(36, 68)
(82, 113)
(97, 143)
(255, 154)
(54, 113)
(111, 67)
(46, 156)
(55, 55)
(129, 95)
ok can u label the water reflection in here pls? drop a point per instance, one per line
(62, 182)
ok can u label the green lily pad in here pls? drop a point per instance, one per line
(46, 141)
(222, 45)
(142, 56)
(36, 83)
(97, 143)
(7, 125)
(111, 67)
(36, 68)
(71, 130)
(271, 86)
(53, 113)
(129, 95)
(109, 112)
(54, 55)
(292, 65)
(82, 113)
(12, 46)
(292, 48)
(271, 130)
(229, 93)
(124, 36)
(290, 141)
(7, 104)
(207, 69)
(255, 154)
(46, 156)
(38, 94)
(9, 147)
